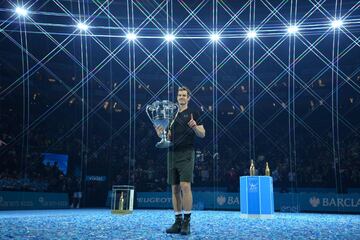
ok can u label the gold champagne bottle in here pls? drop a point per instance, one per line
(121, 204)
(252, 168)
(267, 169)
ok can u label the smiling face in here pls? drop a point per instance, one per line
(183, 98)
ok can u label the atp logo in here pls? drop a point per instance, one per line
(221, 200)
(314, 201)
(253, 187)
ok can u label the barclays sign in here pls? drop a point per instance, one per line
(284, 202)
(228, 200)
(338, 202)
(322, 202)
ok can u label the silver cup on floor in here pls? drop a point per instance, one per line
(163, 114)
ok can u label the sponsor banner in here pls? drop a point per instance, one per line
(153, 200)
(333, 202)
(227, 201)
(284, 202)
(308, 190)
(96, 178)
(317, 202)
(33, 200)
(201, 200)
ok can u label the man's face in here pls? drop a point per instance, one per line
(183, 97)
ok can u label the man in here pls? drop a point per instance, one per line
(181, 160)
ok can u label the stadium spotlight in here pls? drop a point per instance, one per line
(82, 26)
(21, 11)
(214, 37)
(169, 37)
(251, 34)
(292, 29)
(336, 23)
(131, 36)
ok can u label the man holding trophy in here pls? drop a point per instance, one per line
(184, 126)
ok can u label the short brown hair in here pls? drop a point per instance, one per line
(183, 88)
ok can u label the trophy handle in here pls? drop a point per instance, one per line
(172, 122)
(147, 112)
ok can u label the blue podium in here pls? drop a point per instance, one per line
(256, 195)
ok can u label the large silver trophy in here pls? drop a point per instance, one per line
(163, 114)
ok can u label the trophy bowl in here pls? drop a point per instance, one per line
(162, 114)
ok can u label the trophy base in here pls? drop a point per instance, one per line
(164, 144)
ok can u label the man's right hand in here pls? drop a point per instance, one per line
(159, 130)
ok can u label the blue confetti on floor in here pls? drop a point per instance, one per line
(151, 224)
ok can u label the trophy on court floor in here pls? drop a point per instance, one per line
(162, 114)
(122, 199)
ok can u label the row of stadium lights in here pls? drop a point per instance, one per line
(170, 37)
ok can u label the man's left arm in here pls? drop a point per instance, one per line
(198, 129)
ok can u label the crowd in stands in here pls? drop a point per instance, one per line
(104, 146)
